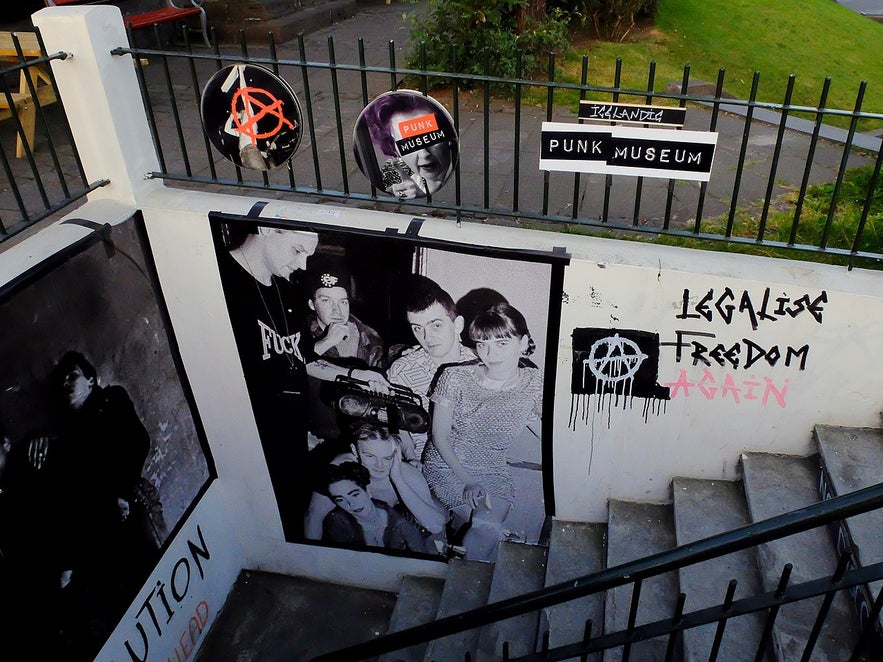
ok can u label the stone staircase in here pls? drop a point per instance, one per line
(848, 458)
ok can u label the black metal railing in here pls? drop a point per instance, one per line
(41, 169)
(635, 573)
(497, 175)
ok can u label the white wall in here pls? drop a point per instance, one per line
(177, 605)
(610, 284)
(613, 453)
(702, 430)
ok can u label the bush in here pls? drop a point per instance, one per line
(608, 19)
(473, 37)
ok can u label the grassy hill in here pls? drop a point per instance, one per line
(812, 39)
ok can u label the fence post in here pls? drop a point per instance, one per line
(101, 98)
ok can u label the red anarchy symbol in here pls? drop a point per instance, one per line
(250, 100)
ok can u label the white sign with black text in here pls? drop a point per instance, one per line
(624, 150)
(605, 111)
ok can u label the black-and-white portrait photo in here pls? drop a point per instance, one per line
(397, 387)
(405, 143)
(100, 454)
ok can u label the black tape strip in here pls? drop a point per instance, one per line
(90, 225)
(102, 229)
(257, 208)
(414, 227)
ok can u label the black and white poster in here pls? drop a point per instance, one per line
(101, 455)
(401, 386)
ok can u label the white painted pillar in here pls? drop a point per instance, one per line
(102, 99)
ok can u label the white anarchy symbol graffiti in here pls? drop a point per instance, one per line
(613, 359)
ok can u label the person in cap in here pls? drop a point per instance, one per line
(339, 337)
(336, 331)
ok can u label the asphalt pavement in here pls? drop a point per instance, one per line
(873, 8)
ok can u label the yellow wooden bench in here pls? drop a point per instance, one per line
(20, 101)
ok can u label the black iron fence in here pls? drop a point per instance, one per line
(769, 155)
(783, 177)
(41, 170)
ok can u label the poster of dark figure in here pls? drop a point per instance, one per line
(399, 385)
(101, 455)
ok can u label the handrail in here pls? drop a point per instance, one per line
(715, 546)
(474, 78)
(741, 607)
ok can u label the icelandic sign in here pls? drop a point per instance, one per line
(601, 111)
(625, 150)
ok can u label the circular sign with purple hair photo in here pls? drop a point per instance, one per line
(405, 144)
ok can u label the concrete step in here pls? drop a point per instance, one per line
(703, 508)
(467, 586)
(636, 530)
(270, 617)
(575, 549)
(417, 604)
(776, 484)
(852, 459)
(520, 568)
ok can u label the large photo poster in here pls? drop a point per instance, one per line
(101, 455)
(399, 385)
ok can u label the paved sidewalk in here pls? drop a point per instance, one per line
(380, 24)
(872, 8)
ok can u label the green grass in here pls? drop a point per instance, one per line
(813, 223)
(812, 39)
